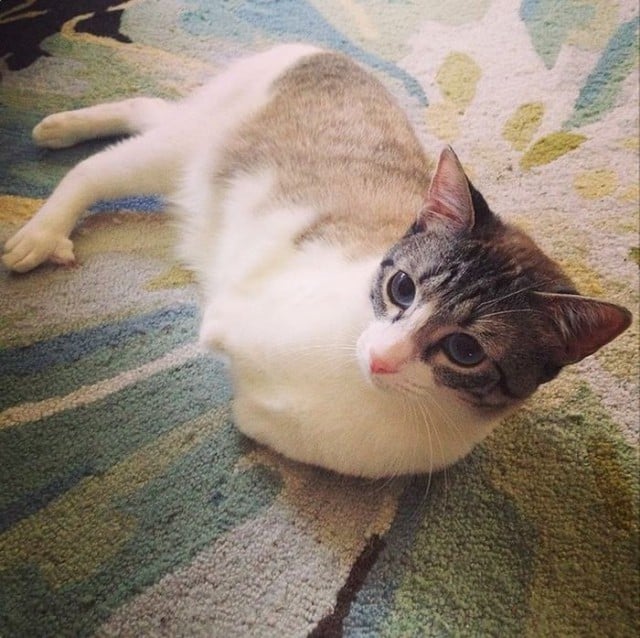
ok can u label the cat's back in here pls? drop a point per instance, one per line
(335, 141)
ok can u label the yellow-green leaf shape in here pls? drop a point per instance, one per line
(520, 128)
(550, 147)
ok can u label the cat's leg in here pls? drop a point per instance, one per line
(126, 117)
(147, 164)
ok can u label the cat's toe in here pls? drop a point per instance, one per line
(32, 246)
(19, 259)
(55, 131)
(63, 253)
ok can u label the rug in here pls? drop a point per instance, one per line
(129, 504)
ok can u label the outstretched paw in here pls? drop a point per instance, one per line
(57, 131)
(32, 245)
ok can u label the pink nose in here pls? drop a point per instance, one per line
(377, 365)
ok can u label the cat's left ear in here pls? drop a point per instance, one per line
(448, 201)
(585, 324)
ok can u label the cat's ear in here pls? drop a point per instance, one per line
(585, 324)
(448, 202)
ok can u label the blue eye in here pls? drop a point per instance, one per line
(463, 349)
(401, 289)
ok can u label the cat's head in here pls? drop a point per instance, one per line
(468, 306)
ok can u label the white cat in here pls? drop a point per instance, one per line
(378, 319)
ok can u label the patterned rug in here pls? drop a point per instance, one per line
(129, 504)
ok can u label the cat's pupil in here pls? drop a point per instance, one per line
(401, 289)
(463, 349)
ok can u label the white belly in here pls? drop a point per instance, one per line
(298, 387)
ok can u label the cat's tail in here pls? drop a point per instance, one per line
(127, 117)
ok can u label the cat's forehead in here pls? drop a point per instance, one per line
(477, 267)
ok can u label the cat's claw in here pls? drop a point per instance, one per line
(56, 131)
(32, 245)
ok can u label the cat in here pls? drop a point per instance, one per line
(379, 319)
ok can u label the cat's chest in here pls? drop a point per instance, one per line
(285, 306)
(260, 285)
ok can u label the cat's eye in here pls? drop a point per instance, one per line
(401, 289)
(463, 349)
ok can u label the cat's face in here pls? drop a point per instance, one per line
(469, 308)
(461, 314)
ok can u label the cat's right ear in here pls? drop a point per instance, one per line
(448, 203)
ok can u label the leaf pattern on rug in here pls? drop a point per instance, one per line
(129, 503)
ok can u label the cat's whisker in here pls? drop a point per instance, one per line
(327, 366)
(424, 395)
(327, 346)
(325, 352)
(387, 481)
(432, 429)
(340, 353)
(449, 421)
(537, 286)
(325, 355)
(418, 408)
(530, 311)
(410, 409)
(410, 420)
(438, 439)
(492, 302)
(398, 462)
(427, 418)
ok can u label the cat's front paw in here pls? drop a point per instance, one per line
(33, 244)
(57, 131)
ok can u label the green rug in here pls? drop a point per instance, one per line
(129, 504)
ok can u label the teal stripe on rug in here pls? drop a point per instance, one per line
(106, 431)
(290, 21)
(68, 348)
(33, 501)
(20, 155)
(473, 569)
(143, 204)
(57, 366)
(127, 543)
(604, 84)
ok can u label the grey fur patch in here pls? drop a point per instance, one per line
(338, 143)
